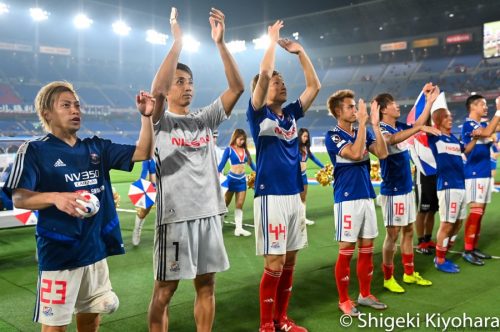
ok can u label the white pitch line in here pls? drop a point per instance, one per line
(126, 210)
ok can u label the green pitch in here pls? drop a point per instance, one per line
(474, 291)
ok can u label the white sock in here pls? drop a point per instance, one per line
(238, 218)
(138, 222)
(492, 184)
(304, 210)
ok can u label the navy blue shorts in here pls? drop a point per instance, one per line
(235, 182)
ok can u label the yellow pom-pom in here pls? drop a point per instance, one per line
(116, 197)
(251, 180)
(325, 175)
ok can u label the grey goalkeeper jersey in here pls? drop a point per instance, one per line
(188, 184)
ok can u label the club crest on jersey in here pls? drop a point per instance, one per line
(336, 139)
(95, 158)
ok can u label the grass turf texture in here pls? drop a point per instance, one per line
(314, 302)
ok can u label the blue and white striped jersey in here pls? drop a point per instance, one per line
(395, 169)
(278, 159)
(351, 178)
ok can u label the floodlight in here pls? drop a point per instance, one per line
(82, 21)
(4, 9)
(38, 14)
(262, 42)
(236, 46)
(155, 37)
(190, 44)
(121, 28)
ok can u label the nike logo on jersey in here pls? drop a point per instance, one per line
(59, 163)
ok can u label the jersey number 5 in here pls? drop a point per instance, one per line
(347, 222)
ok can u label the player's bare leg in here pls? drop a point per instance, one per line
(158, 307)
(46, 328)
(204, 304)
(87, 322)
(388, 252)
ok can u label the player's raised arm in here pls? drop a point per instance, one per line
(312, 81)
(144, 148)
(259, 93)
(491, 127)
(431, 93)
(379, 147)
(234, 80)
(165, 74)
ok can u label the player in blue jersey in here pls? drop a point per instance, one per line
(397, 198)
(477, 172)
(280, 228)
(305, 154)
(148, 172)
(447, 151)
(188, 241)
(236, 182)
(47, 173)
(354, 209)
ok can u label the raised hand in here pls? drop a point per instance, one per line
(273, 31)
(145, 103)
(174, 25)
(374, 113)
(431, 95)
(216, 20)
(361, 114)
(431, 130)
(290, 45)
(497, 101)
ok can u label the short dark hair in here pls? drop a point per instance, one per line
(256, 78)
(471, 100)
(383, 100)
(185, 68)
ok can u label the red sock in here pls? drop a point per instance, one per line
(408, 263)
(284, 292)
(365, 269)
(268, 287)
(478, 232)
(471, 227)
(388, 271)
(440, 254)
(342, 272)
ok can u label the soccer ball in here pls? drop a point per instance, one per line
(91, 207)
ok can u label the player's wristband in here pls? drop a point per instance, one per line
(497, 113)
